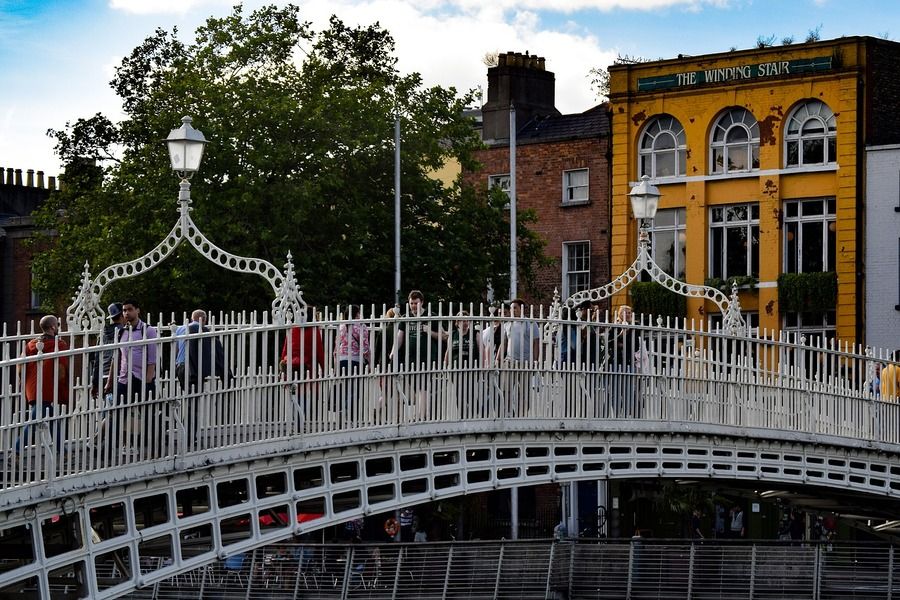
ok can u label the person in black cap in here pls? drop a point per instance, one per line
(100, 362)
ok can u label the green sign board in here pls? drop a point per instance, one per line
(735, 73)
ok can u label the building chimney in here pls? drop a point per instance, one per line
(520, 80)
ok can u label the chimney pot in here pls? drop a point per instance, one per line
(19, 177)
(9, 176)
(29, 179)
(40, 179)
(51, 183)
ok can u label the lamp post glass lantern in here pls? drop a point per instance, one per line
(644, 200)
(185, 148)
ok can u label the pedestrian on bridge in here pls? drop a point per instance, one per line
(136, 382)
(352, 354)
(890, 379)
(198, 318)
(46, 381)
(417, 346)
(201, 369)
(100, 362)
(520, 349)
(626, 357)
(302, 363)
(462, 358)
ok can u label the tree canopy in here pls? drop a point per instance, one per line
(300, 159)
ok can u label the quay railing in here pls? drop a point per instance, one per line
(465, 368)
(540, 570)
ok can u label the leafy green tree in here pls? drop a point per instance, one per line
(301, 158)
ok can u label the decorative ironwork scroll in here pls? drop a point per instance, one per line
(288, 307)
(732, 321)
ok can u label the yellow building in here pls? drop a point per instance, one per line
(759, 155)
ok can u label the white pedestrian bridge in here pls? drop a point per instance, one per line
(105, 496)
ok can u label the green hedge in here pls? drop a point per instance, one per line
(807, 292)
(654, 299)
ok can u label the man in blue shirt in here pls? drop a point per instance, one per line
(198, 319)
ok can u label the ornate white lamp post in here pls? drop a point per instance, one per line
(644, 203)
(186, 146)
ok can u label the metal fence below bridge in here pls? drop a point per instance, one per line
(614, 569)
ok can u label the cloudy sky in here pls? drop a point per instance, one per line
(57, 56)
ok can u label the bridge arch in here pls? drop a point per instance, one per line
(237, 506)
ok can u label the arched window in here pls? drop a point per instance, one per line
(662, 149)
(811, 135)
(735, 142)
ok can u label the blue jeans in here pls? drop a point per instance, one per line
(46, 413)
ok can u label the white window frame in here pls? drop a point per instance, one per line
(748, 223)
(680, 230)
(566, 273)
(825, 325)
(656, 129)
(828, 220)
(734, 120)
(501, 180)
(568, 188)
(817, 113)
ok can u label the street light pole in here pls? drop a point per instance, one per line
(397, 211)
(513, 234)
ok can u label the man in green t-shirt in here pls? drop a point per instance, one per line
(417, 343)
(418, 346)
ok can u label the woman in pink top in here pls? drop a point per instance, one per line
(351, 352)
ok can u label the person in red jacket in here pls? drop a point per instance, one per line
(46, 379)
(303, 358)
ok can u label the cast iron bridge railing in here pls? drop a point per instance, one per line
(456, 376)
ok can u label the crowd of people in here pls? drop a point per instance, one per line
(126, 368)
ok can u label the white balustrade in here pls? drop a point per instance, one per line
(238, 395)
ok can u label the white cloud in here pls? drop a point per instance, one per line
(154, 7)
(447, 46)
(566, 6)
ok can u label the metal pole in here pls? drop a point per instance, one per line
(397, 211)
(513, 241)
(514, 513)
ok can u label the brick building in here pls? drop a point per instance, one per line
(562, 172)
(18, 199)
(760, 156)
